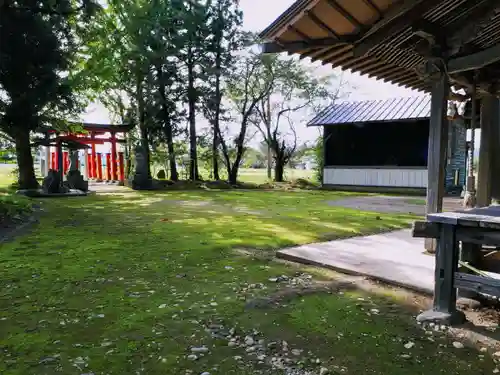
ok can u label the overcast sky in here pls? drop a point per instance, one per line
(257, 15)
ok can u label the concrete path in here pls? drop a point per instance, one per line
(394, 204)
(395, 258)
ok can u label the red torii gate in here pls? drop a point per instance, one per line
(114, 160)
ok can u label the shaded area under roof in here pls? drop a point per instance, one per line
(396, 109)
(391, 39)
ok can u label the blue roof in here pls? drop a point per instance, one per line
(411, 108)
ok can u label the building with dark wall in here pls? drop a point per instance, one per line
(383, 145)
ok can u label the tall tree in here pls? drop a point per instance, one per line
(192, 28)
(225, 20)
(38, 51)
(250, 82)
(295, 90)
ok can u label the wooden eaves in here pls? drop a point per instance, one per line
(397, 41)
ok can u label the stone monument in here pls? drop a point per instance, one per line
(52, 183)
(141, 179)
(74, 177)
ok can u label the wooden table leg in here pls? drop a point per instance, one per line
(470, 253)
(445, 294)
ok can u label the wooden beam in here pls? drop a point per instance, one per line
(348, 16)
(489, 105)
(477, 284)
(374, 7)
(395, 20)
(318, 21)
(466, 27)
(438, 140)
(474, 61)
(296, 46)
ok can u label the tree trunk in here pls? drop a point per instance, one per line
(174, 175)
(167, 126)
(142, 123)
(268, 132)
(218, 99)
(193, 155)
(279, 170)
(233, 174)
(215, 156)
(27, 179)
(269, 162)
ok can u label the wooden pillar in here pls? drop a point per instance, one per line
(495, 147)
(121, 166)
(65, 162)
(47, 156)
(89, 164)
(60, 166)
(114, 169)
(93, 171)
(108, 167)
(490, 141)
(99, 166)
(438, 141)
(53, 163)
(484, 173)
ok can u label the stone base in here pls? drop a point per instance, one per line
(141, 183)
(455, 318)
(471, 302)
(39, 193)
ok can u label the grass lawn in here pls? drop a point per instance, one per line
(146, 283)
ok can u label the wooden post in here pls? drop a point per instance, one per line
(65, 162)
(60, 165)
(495, 148)
(484, 173)
(445, 294)
(121, 166)
(47, 156)
(89, 165)
(108, 167)
(438, 141)
(93, 170)
(114, 169)
(99, 166)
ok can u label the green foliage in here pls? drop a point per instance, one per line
(13, 207)
(319, 158)
(39, 48)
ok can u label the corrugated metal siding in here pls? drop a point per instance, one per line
(377, 177)
(417, 107)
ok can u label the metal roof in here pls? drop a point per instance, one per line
(410, 108)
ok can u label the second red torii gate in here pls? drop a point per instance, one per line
(89, 137)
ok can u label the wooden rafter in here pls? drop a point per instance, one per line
(395, 20)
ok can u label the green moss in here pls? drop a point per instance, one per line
(125, 284)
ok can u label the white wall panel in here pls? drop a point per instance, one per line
(390, 177)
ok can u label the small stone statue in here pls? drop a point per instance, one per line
(52, 183)
(75, 180)
(73, 160)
